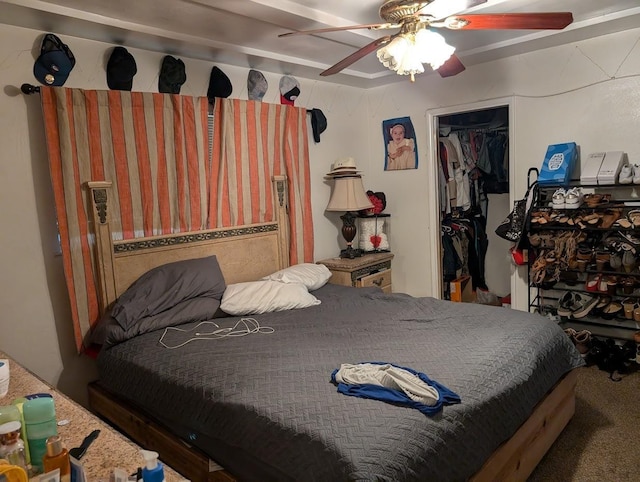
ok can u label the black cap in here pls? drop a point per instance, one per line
(55, 62)
(219, 85)
(120, 69)
(172, 75)
(318, 123)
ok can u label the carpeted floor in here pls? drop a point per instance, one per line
(602, 441)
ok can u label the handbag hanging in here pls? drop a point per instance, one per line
(513, 227)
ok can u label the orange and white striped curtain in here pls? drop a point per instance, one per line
(253, 141)
(153, 147)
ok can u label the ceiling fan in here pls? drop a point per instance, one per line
(416, 43)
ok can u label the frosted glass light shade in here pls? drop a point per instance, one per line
(406, 53)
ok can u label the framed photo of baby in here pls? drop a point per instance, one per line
(400, 144)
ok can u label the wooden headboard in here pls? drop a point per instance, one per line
(245, 253)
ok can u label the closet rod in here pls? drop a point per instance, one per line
(29, 89)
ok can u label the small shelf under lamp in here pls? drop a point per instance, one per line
(348, 195)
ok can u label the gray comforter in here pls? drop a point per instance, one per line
(263, 405)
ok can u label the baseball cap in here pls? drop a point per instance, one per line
(219, 85)
(172, 75)
(256, 85)
(318, 123)
(289, 90)
(121, 68)
(55, 62)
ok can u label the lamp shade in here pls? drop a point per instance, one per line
(348, 195)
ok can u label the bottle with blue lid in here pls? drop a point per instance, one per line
(40, 423)
(153, 471)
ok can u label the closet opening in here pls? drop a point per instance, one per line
(473, 172)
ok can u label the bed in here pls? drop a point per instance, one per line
(262, 406)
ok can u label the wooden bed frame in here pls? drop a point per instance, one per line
(247, 253)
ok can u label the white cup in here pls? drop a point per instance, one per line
(4, 377)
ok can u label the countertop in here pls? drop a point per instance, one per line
(111, 449)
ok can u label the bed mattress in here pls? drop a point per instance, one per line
(263, 405)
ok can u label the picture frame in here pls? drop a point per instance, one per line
(401, 150)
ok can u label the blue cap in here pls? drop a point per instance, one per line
(55, 62)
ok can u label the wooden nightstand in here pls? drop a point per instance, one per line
(368, 270)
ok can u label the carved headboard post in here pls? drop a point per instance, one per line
(99, 192)
(282, 209)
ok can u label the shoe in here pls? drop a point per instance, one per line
(628, 261)
(634, 217)
(628, 285)
(603, 301)
(611, 284)
(573, 198)
(623, 223)
(602, 258)
(558, 200)
(636, 173)
(584, 304)
(593, 284)
(612, 310)
(609, 217)
(628, 305)
(615, 261)
(626, 174)
(582, 340)
(567, 303)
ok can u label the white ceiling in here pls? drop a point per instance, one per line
(245, 32)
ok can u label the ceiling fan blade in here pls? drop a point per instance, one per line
(358, 54)
(510, 21)
(444, 8)
(451, 67)
(370, 26)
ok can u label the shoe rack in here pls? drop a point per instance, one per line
(584, 257)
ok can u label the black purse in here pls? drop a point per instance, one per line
(514, 225)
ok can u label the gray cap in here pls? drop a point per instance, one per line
(256, 85)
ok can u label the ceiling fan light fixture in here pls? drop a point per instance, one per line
(407, 53)
(433, 48)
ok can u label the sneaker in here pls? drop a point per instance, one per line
(583, 305)
(636, 173)
(558, 199)
(626, 174)
(573, 198)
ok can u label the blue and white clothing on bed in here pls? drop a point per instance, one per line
(394, 384)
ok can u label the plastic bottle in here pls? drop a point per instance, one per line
(11, 445)
(9, 413)
(18, 403)
(153, 470)
(4, 377)
(57, 457)
(40, 423)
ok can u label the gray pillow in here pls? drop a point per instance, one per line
(108, 331)
(165, 286)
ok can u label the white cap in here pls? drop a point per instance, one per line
(150, 458)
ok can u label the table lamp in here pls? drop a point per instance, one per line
(348, 195)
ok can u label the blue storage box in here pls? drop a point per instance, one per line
(558, 164)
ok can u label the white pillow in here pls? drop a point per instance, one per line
(313, 276)
(256, 297)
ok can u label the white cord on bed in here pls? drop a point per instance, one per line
(251, 326)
